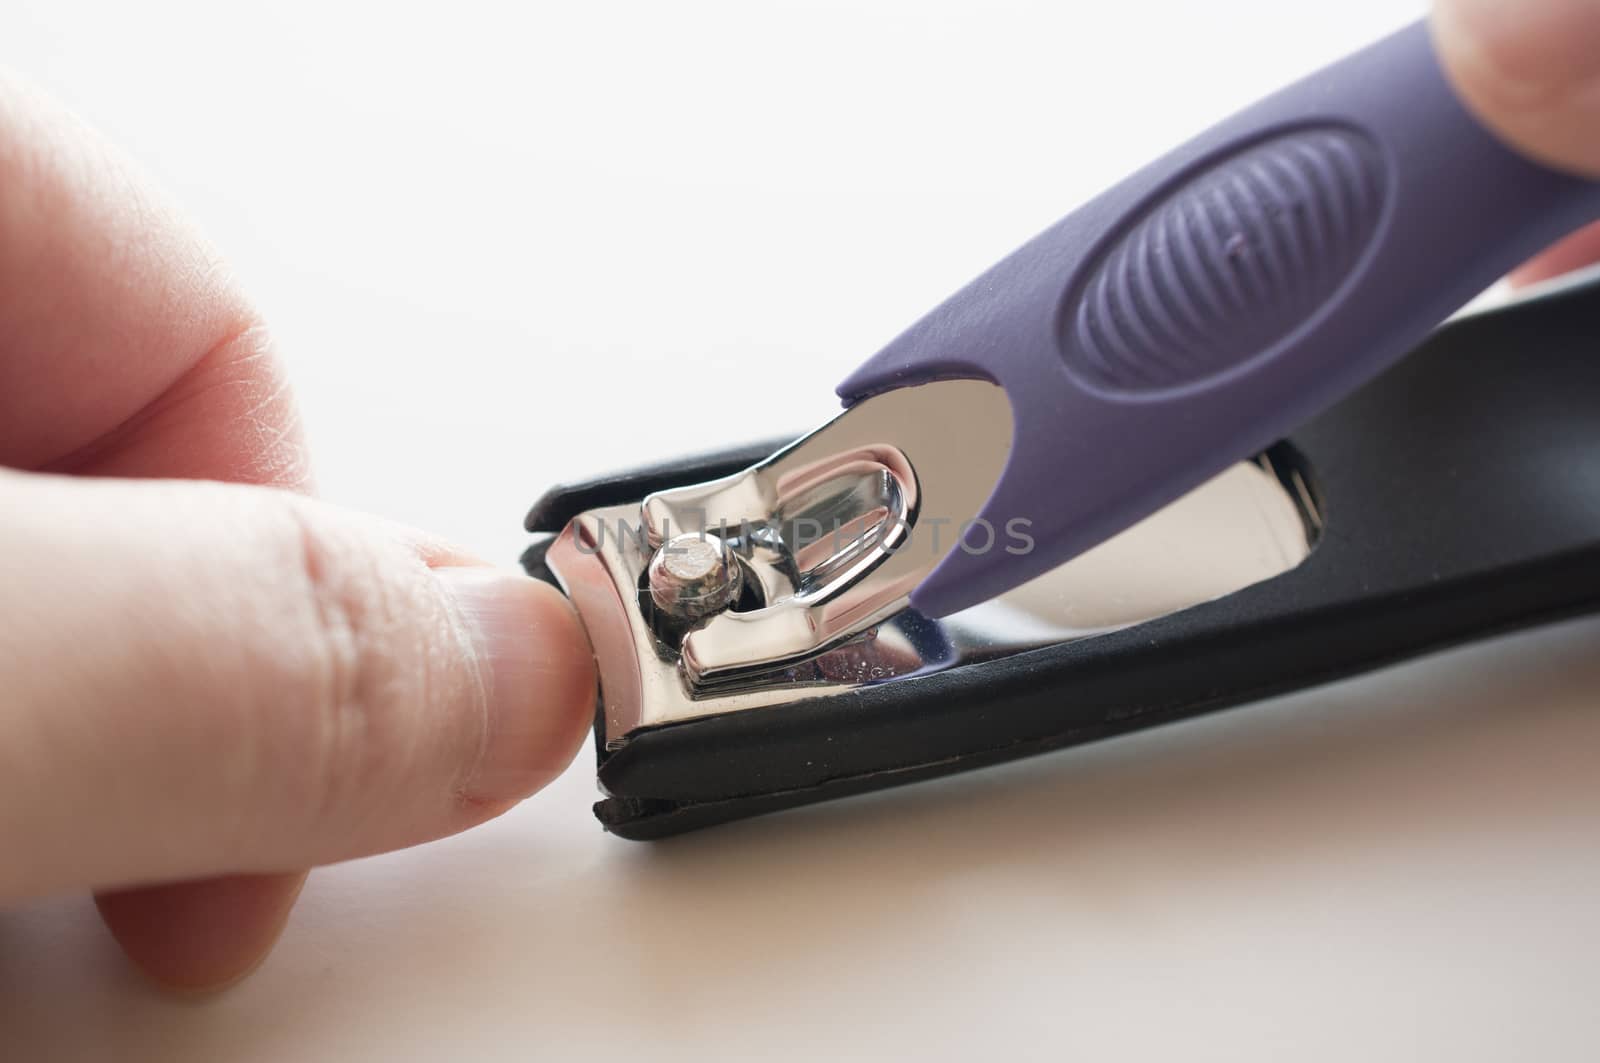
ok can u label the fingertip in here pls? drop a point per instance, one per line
(538, 674)
(1529, 71)
(205, 936)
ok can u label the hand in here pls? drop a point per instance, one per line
(206, 688)
(1530, 69)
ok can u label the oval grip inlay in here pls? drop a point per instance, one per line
(1218, 271)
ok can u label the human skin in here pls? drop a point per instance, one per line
(213, 682)
(211, 686)
(1530, 70)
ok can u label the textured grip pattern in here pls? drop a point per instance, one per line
(1216, 273)
(1222, 295)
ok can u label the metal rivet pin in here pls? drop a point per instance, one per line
(694, 575)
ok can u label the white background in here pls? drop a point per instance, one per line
(503, 247)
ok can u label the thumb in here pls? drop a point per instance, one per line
(202, 679)
(1530, 69)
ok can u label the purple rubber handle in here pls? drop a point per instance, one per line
(1216, 299)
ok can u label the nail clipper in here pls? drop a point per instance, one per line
(942, 576)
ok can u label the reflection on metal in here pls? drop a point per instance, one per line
(693, 576)
(826, 528)
(1254, 521)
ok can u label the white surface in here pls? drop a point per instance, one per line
(478, 232)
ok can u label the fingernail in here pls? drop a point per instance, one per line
(537, 672)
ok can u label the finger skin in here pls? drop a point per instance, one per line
(1530, 70)
(205, 935)
(187, 386)
(1580, 249)
(125, 348)
(230, 416)
(242, 680)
